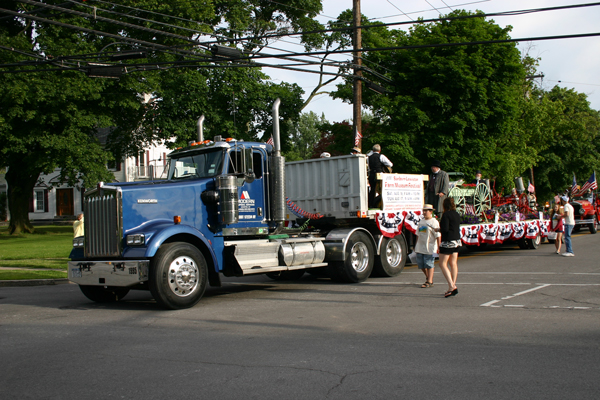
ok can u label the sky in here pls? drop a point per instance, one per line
(570, 63)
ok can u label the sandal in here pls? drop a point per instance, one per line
(452, 292)
(426, 285)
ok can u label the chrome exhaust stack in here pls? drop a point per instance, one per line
(277, 172)
(200, 125)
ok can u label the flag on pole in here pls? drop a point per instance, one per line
(574, 185)
(591, 184)
(357, 138)
(530, 187)
(270, 141)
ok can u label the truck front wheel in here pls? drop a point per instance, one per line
(594, 225)
(358, 264)
(392, 257)
(178, 276)
(101, 294)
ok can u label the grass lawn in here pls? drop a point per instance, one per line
(48, 248)
(9, 275)
(48, 242)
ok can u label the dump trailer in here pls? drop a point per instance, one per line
(225, 209)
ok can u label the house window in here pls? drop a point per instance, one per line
(39, 201)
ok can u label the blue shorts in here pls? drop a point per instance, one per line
(425, 261)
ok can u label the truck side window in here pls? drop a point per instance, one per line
(257, 161)
(235, 163)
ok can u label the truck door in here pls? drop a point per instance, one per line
(251, 195)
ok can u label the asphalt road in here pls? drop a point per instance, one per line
(525, 325)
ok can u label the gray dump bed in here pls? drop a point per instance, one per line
(334, 187)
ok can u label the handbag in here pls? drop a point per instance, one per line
(551, 235)
(413, 257)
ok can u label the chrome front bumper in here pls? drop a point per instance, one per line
(584, 221)
(109, 273)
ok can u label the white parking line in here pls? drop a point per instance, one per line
(489, 303)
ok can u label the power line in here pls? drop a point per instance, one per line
(379, 25)
(423, 11)
(400, 10)
(531, 39)
(157, 22)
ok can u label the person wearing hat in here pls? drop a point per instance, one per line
(477, 177)
(377, 162)
(325, 155)
(569, 224)
(355, 151)
(438, 186)
(428, 243)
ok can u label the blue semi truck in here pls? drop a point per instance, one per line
(223, 211)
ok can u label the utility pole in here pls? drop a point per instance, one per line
(357, 92)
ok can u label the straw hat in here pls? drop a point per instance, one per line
(428, 207)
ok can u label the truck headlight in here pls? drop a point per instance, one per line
(78, 241)
(136, 240)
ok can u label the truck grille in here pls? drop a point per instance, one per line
(103, 223)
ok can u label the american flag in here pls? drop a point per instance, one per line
(574, 185)
(530, 187)
(270, 141)
(357, 138)
(590, 184)
(469, 209)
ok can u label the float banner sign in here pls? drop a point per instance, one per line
(402, 192)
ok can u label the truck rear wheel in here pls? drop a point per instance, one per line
(101, 294)
(358, 264)
(392, 257)
(594, 225)
(178, 276)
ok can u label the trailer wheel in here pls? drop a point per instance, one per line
(594, 225)
(358, 265)
(392, 257)
(100, 294)
(178, 276)
(293, 275)
(533, 243)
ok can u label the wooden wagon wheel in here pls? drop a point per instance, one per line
(482, 199)
(459, 200)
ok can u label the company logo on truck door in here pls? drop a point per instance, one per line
(247, 208)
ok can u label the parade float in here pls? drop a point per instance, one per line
(488, 217)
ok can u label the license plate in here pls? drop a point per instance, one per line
(75, 273)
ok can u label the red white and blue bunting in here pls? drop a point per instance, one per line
(390, 225)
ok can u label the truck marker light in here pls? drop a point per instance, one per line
(177, 219)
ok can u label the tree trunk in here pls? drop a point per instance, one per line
(20, 184)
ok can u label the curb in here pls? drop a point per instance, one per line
(34, 282)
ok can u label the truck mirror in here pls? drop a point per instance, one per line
(248, 165)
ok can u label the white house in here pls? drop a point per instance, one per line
(49, 201)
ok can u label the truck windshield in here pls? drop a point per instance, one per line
(199, 165)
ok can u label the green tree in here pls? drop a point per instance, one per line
(48, 120)
(450, 103)
(304, 136)
(571, 136)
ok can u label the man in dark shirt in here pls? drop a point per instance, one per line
(438, 186)
(376, 163)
